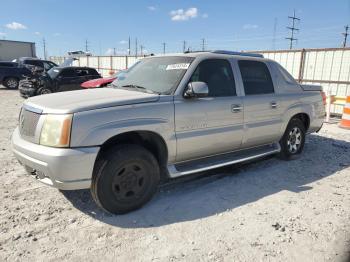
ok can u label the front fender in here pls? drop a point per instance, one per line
(94, 127)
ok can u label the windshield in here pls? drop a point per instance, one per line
(157, 74)
(53, 72)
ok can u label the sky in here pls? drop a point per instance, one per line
(106, 25)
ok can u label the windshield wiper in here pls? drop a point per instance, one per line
(140, 88)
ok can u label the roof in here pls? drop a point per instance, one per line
(219, 54)
(4, 40)
(63, 67)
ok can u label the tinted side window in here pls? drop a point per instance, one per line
(92, 72)
(68, 73)
(5, 64)
(217, 74)
(82, 72)
(34, 63)
(256, 77)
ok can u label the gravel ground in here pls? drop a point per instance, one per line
(270, 210)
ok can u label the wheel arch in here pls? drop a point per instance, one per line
(150, 140)
(304, 117)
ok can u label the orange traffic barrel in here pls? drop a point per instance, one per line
(345, 119)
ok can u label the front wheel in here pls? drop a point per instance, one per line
(293, 140)
(44, 91)
(11, 83)
(125, 178)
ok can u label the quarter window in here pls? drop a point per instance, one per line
(217, 74)
(68, 73)
(256, 77)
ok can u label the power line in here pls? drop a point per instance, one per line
(345, 34)
(86, 46)
(164, 44)
(292, 29)
(44, 46)
(203, 44)
(136, 47)
(274, 34)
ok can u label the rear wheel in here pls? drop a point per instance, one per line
(11, 83)
(125, 178)
(292, 142)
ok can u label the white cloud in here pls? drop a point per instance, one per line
(15, 26)
(205, 15)
(2, 34)
(183, 15)
(152, 8)
(57, 34)
(123, 42)
(37, 33)
(250, 26)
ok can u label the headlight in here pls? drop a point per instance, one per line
(56, 130)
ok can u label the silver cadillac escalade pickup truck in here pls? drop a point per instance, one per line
(170, 116)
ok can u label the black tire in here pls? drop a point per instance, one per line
(290, 147)
(44, 91)
(11, 83)
(125, 178)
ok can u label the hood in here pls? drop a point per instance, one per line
(83, 100)
(97, 82)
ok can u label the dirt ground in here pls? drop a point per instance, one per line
(270, 210)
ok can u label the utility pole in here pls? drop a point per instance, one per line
(129, 50)
(345, 34)
(114, 53)
(141, 47)
(274, 34)
(44, 46)
(203, 44)
(184, 47)
(136, 47)
(86, 46)
(164, 44)
(292, 29)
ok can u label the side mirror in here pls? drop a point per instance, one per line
(196, 89)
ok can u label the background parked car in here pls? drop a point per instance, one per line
(57, 79)
(103, 82)
(78, 53)
(99, 82)
(12, 72)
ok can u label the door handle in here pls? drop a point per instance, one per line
(236, 108)
(273, 104)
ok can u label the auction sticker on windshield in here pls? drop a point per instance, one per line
(182, 66)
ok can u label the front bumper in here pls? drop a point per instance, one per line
(63, 168)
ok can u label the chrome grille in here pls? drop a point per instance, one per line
(28, 122)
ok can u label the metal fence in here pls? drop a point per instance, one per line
(329, 67)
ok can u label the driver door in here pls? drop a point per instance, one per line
(213, 124)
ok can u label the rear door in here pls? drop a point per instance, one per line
(67, 80)
(262, 111)
(213, 124)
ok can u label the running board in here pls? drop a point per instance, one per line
(212, 162)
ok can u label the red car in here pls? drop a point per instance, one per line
(103, 82)
(99, 82)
